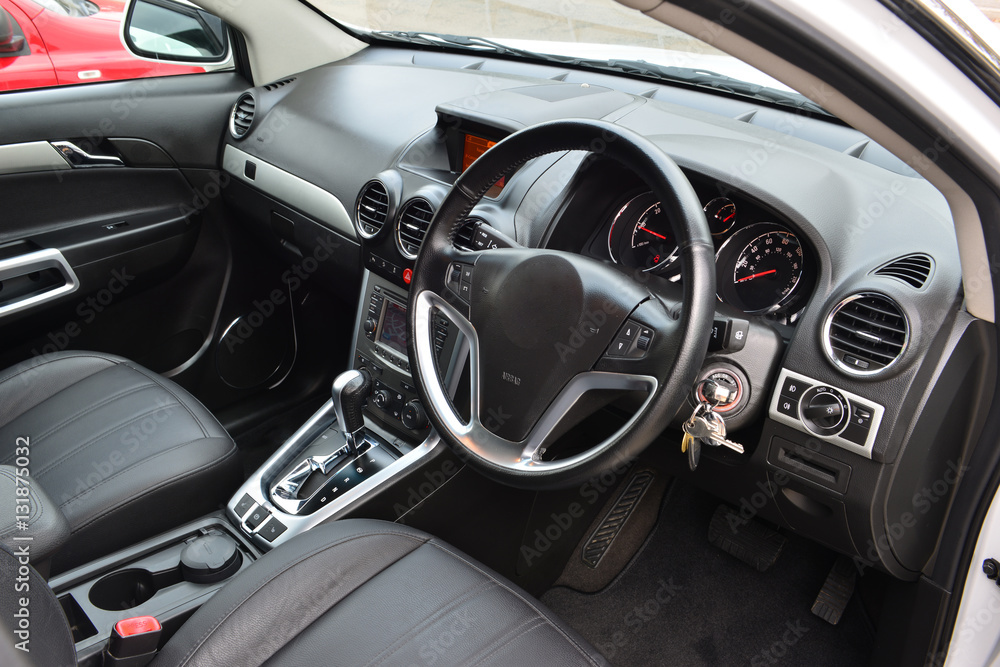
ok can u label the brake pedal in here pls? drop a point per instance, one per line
(836, 591)
(750, 541)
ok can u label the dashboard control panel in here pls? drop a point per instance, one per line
(381, 350)
(820, 410)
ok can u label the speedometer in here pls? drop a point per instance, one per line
(641, 236)
(759, 267)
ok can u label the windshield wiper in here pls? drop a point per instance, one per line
(691, 76)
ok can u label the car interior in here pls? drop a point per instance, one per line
(439, 352)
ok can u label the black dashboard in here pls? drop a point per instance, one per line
(837, 265)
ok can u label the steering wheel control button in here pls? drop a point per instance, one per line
(256, 517)
(632, 341)
(272, 529)
(242, 507)
(459, 280)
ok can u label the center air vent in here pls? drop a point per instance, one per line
(242, 116)
(866, 333)
(413, 222)
(373, 209)
(914, 270)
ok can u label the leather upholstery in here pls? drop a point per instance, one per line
(43, 522)
(361, 592)
(124, 452)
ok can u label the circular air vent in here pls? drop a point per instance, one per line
(242, 116)
(866, 333)
(414, 219)
(372, 210)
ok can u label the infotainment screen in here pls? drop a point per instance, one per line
(473, 149)
(394, 327)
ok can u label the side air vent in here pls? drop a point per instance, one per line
(866, 333)
(242, 116)
(412, 225)
(914, 270)
(278, 84)
(373, 209)
(463, 237)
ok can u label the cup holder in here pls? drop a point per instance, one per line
(123, 590)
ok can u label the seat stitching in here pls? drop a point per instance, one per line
(440, 611)
(129, 467)
(487, 651)
(157, 487)
(101, 404)
(47, 398)
(170, 391)
(520, 597)
(52, 361)
(93, 439)
(289, 566)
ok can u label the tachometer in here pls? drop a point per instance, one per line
(721, 214)
(759, 267)
(641, 236)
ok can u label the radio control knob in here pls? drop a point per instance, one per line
(382, 398)
(414, 417)
(369, 325)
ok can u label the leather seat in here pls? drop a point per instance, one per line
(123, 452)
(363, 592)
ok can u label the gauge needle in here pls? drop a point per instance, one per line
(659, 236)
(757, 275)
(729, 217)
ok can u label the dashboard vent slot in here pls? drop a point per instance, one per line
(414, 220)
(463, 237)
(914, 270)
(242, 116)
(373, 209)
(866, 333)
(278, 84)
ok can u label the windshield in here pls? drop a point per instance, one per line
(595, 30)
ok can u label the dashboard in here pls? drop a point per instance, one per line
(837, 268)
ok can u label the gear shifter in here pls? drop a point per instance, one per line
(350, 389)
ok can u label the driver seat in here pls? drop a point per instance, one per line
(354, 592)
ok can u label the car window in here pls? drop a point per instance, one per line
(80, 41)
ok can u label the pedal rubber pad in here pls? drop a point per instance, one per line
(751, 541)
(836, 591)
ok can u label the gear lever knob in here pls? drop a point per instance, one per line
(350, 389)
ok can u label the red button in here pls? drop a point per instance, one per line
(137, 626)
(407, 275)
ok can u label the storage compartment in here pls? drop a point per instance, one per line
(79, 624)
(126, 589)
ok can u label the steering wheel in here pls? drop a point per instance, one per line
(543, 328)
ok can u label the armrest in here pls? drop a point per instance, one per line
(43, 521)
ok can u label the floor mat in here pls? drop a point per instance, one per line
(258, 443)
(683, 602)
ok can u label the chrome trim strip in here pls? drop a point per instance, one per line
(291, 190)
(877, 412)
(29, 157)
(475, 437)
(50, 258)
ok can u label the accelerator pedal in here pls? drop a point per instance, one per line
(836, 591)
(750, 541)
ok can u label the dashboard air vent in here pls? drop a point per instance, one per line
(914, 270)
(413, 222)
(278, 84)
(866, 333)
(242, 116)
(373, 209)
(463, 237)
